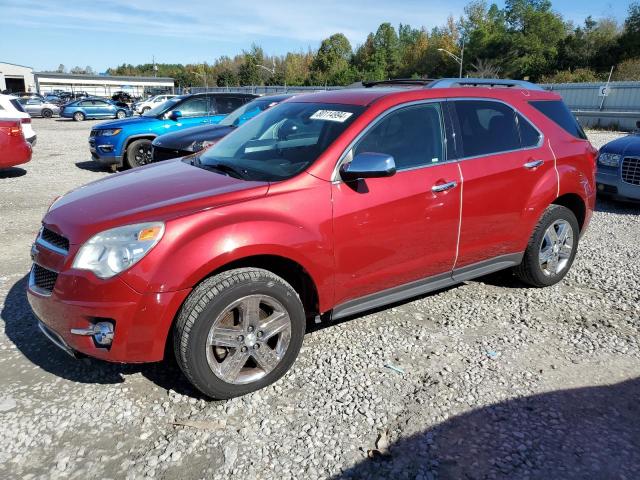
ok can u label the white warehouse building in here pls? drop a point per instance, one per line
(18, 78)
(101, 85)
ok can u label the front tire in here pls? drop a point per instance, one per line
(120, 114)
(238, 332)
(551, 249)
(46, 113)
(145, 110)
(139, 153)
(79, 116)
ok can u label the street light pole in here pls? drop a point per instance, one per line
(458, 59)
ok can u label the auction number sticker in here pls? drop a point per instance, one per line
(331, 116)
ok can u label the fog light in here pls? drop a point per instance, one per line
(102, 333)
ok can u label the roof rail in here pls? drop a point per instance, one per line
(483, 82)
(400, 81)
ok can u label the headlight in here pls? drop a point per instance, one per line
(109, 133)
(113, 251)
(609, 159)
(201, 145)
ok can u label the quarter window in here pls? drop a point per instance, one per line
(557, 111)
(486, 127)
(413, 136)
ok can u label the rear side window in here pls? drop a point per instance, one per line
(228, 104)
(486, 127)
(413, 136)
(557, 111)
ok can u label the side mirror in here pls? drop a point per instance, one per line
(175, 115)
(368, 165)
(638, 124)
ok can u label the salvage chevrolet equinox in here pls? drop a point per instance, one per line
(324, 206)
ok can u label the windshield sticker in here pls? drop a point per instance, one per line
(331, 116)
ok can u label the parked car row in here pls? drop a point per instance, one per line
(322, 206)
(11, 108)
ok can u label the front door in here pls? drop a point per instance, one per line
(395, 230)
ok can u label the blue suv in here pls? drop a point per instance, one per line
(128, 141)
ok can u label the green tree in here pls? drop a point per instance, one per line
(629, 42)
(387, 43)
(332, 62)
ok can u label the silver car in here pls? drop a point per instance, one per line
(39, 108)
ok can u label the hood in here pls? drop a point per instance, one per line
(629, 145)
(159, 191)
(126, 121)
(183, 138)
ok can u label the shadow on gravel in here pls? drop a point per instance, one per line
(12, 172)
(608, 205)
(584, 433)
(21, 328)
(91, 166)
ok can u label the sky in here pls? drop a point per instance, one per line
(106, 33)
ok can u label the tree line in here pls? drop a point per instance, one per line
(526, 39)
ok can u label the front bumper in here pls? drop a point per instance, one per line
(104, 153)
(79, 299)
(611, 184)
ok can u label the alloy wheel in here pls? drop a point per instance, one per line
(248, 339)
(556, 247)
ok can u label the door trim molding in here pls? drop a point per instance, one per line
(424, 285)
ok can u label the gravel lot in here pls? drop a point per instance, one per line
(490, 379)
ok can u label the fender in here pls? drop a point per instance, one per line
(205, 241)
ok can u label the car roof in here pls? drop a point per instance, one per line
(367, 96)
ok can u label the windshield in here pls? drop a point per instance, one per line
(249, 110)
(162, 108)
(281, 142)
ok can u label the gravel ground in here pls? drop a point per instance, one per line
(489, 379)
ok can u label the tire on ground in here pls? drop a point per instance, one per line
(203, 306)
(530, 271)
(139, 153)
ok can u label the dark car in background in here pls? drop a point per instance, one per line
(618, 174)
(121, 96)
(192, 140)
(94, 107)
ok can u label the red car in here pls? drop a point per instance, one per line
(14, 149)
(328, 204)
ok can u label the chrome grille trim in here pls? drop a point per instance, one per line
(53, 241)
(42, 280)
(630, 170)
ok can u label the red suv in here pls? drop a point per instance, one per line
(328, 204)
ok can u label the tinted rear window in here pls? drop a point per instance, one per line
(558, 112)
(17, 104)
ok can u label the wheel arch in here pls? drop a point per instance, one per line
(133, 138)
(576, 204)
(289, 270)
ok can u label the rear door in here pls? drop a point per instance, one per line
(503, 161)
(395, 230)
(223, 105)
(195, 112)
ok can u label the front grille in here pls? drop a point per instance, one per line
(43, 278)
(631, 170)
(159, 153)
(55, 239)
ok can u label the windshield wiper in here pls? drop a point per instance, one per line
(221, 167)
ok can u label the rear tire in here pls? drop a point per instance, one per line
(551, 249)
(139, 153)
(248, 317)
(46, 113)
(79, 116)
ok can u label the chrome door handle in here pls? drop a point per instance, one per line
(533, 164)
(443, 187)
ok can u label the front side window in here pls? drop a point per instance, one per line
(162, 108)
(194, 107)
(413, 136)
(280, 143)
(529, 136)
(486, 127)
